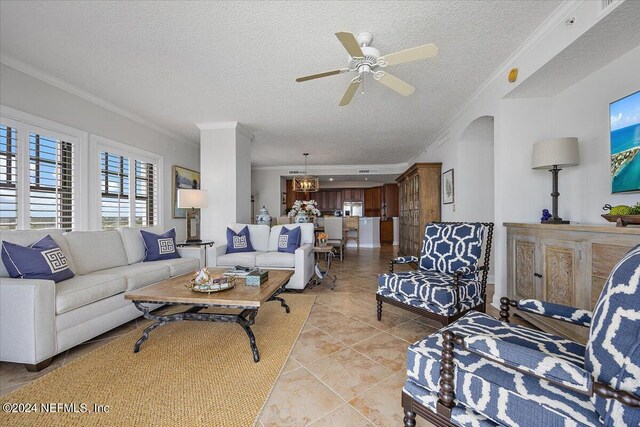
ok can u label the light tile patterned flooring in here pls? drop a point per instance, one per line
(346, 368)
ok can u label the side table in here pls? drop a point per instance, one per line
(318, 275)
(203, 244)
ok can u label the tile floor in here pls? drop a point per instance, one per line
(345, 369)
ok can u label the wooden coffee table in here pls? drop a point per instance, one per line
(246, 298)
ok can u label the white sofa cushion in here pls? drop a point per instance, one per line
(96, 250)
(82, 290)
(276, 259)
(27, 237)
(140, 274)
(178, 266)
(245, 259)
(259, 235)
(133, 242)
(307, 235)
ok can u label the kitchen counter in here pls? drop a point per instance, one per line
(369, 233)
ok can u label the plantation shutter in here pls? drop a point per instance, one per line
(50, 182)
(8, 178)
(114, 178)
(123, 176)
(146, 208)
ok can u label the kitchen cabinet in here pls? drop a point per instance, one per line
(372, 201)
(352, 195)
(389, 195)
(386, 231)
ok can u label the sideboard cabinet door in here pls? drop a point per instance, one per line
(524, 283)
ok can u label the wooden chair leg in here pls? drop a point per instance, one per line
(379, 311)
(409, 418)
(39, 366)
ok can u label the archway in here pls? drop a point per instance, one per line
(474, 173)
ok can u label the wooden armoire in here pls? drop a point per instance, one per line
(419, 188)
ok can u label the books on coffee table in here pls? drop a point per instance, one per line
(239, 271)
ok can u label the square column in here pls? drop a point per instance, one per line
(225, 172)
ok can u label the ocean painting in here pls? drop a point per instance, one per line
(625, 144)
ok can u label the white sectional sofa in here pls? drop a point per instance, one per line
(40, 318)
(264, 240)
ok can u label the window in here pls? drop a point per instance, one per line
(129, 189)
(8, 178)
(36, 177)
(50, 182)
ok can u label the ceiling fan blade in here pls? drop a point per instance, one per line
(351, 90)
(396, 84)
(413, 54)
(319, 75)
(350, 43)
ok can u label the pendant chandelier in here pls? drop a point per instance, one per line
(306, 183)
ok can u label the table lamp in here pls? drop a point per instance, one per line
(191, 200)
(556, 154)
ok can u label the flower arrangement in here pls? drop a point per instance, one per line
(310, 207)
(322, 239)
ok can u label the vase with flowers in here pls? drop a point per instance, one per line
(304, 211)
(322, 239)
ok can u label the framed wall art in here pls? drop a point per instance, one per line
(625, 143)
(448, 188)
(182, 178)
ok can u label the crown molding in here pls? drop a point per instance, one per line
(383, 168)
(557, 17)
(34, 72)
(226, 125)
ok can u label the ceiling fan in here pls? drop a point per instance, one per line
(364, 60)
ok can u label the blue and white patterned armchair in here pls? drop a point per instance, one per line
(480, 371)
(449, 280)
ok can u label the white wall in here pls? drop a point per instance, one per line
(31, 95)
(473, 179)
(243, 177)
(582, 110)
(267, 188)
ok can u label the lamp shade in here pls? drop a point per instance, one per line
(561, 152)
(188, 198)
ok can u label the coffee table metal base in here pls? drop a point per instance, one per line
(245, 318)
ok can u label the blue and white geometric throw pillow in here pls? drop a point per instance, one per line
(289, 240)
(41, 260)
(160, 246)
(238, 242)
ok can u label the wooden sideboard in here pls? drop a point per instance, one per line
(419, 188)
(564, 264)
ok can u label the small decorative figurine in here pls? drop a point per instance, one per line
(546, 216)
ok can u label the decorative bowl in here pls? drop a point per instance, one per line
(622, 220)
(203, 281)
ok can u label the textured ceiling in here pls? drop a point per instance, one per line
(613, 36)
(180, 63)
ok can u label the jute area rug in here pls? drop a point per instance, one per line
(188, 373)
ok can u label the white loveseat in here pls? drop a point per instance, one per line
(264, 240)
(40, 318)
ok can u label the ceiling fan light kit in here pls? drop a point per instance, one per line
(366, 60)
